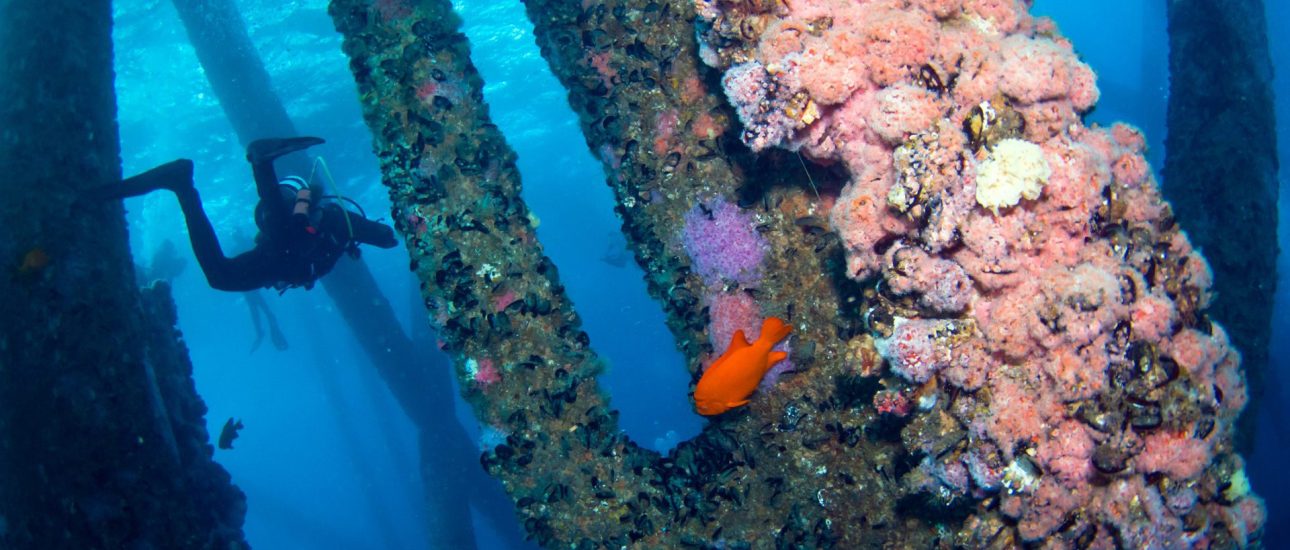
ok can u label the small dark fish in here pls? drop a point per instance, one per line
(615, 258)
(229, 433)
(616, 253)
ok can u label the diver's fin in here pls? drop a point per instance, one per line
(175, 175)
(262, 150)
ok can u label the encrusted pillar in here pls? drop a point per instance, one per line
(1042, 362)
(497, 300)
(103, 443)
(1220, 169)
(519, 353)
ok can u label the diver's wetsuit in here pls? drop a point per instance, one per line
(290, 250)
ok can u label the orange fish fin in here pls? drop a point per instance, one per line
(775, 357)
(773, 330)
(734, 404)
(737, 342)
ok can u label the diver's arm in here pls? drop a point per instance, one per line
(374, 233)
(343, 223)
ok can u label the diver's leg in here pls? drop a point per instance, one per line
(177, 176)
(247, 271)
(174, 175)
(202, 235)
(250, 270)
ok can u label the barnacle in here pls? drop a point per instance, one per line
(802, 108)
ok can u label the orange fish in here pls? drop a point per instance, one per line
(35, 260)
(734, 376)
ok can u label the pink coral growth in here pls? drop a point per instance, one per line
(902, 110)
(1034, 70)
(390, 10)
(918, 348)
(1245, 519)
(416, 224)
(1140, 515)
(986, 466)
(763, 105)
(602, 63)
(486, 373)
(1175, 453)
(1048, 323)
(428, 90)
(1153, 317)
(944, 476)
(729, 312)
(1066, 453)
(893, 402)
(705, 126)
(1019, 412)
(505, 299)
(941, 284)
(1049, 506)
(664, 128)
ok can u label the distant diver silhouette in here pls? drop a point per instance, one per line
(303, 232)
(229, 433)
(260, 308)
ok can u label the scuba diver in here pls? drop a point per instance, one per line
(302, 234)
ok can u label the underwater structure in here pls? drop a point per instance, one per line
(1220, 171)
(104, 442)
(998, 325)
(999, 328)
(420, 381)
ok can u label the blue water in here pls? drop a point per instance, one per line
(327, 458)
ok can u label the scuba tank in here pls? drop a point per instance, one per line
(310, 195)
(303, 202)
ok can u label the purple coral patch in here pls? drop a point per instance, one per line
(723, 243)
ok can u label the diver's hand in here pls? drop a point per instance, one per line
(372, 232)
(385, 238)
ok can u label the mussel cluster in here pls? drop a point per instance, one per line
(993, 121)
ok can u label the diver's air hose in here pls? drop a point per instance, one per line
(318, 161)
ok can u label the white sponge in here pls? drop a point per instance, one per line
(1015, 169)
